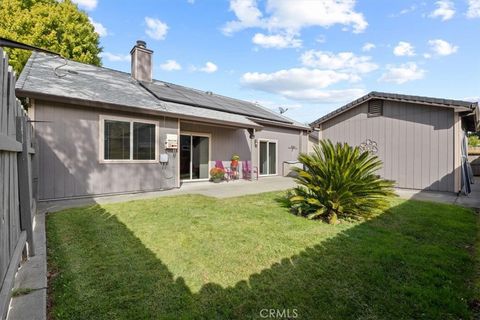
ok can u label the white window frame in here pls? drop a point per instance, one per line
(101, 141)
(268, 155)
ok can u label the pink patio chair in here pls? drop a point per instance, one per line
(228, 171)
(247, 169)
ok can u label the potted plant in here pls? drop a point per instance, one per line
(234, 161)
(217, 174)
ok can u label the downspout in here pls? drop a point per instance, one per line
(300, 143)
(252, 147)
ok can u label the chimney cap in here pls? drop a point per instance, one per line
(141, 43)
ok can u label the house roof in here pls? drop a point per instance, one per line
(457, 105)
(53, 77)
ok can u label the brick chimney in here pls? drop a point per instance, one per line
(141, 62)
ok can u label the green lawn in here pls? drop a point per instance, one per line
(196, 257)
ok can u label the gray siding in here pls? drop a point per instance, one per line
(225, 141)
(415, 142)
(286, 138)
(69, 155)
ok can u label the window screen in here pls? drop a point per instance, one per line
(116, 140)
(375, 108)
(143, 141)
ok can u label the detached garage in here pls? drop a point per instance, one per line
(421, 140)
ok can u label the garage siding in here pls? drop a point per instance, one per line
(415, 142)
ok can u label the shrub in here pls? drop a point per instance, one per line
(473, 141)
(338, 181)
(217, 173)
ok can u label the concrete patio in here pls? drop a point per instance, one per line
(218, 190)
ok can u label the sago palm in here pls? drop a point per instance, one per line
(338, 181)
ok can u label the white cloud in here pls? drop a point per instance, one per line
(344, 61)
(368, 46)
(445, 10)
(472, 99)
(171, 65)
(276, 41)
(324, 96)
(86, 4)
(402, 73)
(473, 9)
(156, 29)
(115, 57)
(99, 28)
(273, 105)
(209, 67)
(404, 49)
(410, 9)
(442, 48)
(302, 84)
(292, 16)
(292, 79)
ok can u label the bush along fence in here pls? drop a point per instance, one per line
(17, 184)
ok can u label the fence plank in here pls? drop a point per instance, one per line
(4, 234)
(7, 286)
(3, 90)
(24, 182)
(9, 144)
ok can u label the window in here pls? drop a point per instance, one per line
(117, 140)
(124, 140)
(375, 108)
(143, 141)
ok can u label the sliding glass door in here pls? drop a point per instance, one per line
(194, 156)
(268, 157)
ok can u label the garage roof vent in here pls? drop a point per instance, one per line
(375, 108)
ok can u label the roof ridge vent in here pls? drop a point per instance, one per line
(210, 93)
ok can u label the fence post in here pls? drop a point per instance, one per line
(24, 182)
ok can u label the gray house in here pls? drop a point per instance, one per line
(102, 131)
(421, 140)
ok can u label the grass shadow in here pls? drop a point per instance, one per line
(410, 263)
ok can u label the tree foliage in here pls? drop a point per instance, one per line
(58, 26)
(338, 181)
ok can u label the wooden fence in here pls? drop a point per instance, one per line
(17, 198)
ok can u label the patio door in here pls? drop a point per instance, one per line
(194, 156)
(268, 157)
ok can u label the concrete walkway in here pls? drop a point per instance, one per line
(217, 190)
(470, 201)
(32, 274)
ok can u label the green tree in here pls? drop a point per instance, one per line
(338, 181)
(58, 26)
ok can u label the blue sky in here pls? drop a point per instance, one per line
(305, 55)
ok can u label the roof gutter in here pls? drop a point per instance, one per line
(280, 124)
(7, 43)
